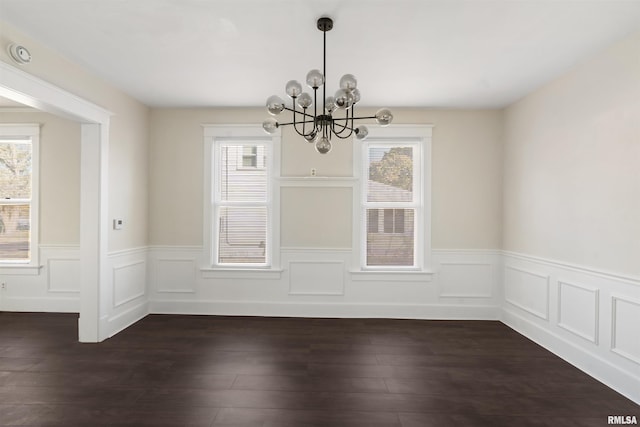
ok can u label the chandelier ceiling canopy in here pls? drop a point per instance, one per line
(319, 128)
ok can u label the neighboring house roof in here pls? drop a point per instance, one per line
(379, 192)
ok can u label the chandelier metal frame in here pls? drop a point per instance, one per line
(320, 128)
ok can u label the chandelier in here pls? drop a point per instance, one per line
(318, 128)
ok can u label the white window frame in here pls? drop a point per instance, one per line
(214, 137)
(419, 137)
(31, 131)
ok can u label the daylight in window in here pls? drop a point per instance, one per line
(15, 199)
(241, 211)
(390, 205)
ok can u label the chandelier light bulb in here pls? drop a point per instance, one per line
(304, 100)
(344, 98)
(275, 105)
(348, 82)
(356, 95)
(311, 137)
(270, 125)
(384, 117)
(323, 145)
(330, 104)
(361, 132)
(293, 88)
(315, 79)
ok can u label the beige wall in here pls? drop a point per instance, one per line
(572, 165)
(59, 176)
(128, 144)
(467, 178)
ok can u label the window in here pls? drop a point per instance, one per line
(394, 199)
(19, 194)
(240, 206)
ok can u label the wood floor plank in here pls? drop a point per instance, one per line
(310, 383)
(297, 418)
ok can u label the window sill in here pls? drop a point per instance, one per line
(392, 276)
(241, 273)
(20, 269)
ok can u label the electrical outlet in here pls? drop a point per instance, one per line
(313, 171)
(3, 286)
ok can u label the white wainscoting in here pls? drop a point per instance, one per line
(527, 290)
(589, 318)
(63, 275)
(128, 282)
(316, 278)
(468, 274)
(126, 301)
(175, 275)
(56, 287)
(318, 283)
(625, 327)
(578, 308)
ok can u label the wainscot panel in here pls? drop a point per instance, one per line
(625, 339)
(126, 301)
(527, 290)
(316, 278)
(468, 274)
(578, 308)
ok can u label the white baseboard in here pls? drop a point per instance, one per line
(325, 310)
(41, 304)
(123, 320)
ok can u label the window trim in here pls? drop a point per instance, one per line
(421, 136)
(31, 130)
(214, 135)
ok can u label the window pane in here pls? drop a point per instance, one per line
(393, 248)
(15, 232)
(15, 170)
(398, 220)
(388, 220)
(372, 220)
(390, 174)
(237, 183)
(242, 235)
(250, 156)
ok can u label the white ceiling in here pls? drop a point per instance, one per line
(429, 53)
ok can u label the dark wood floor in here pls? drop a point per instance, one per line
(289, 372)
